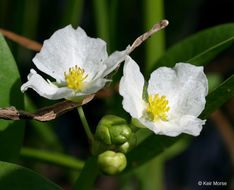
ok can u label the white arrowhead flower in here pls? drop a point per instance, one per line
(176, 97)
(77, 62)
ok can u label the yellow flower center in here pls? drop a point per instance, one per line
(157, 107)
(75, 78)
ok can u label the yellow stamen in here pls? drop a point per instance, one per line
(157, 107)
(75, 78)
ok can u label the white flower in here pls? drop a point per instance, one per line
(176, 97)
(77, 62)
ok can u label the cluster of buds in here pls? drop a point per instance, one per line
(113, 139)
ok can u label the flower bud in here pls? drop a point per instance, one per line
(111, 162)
(129, 145)
(113, 130)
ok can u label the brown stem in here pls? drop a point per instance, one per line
(159, 26)
(27, 43)
(226, 131)
(43, 114)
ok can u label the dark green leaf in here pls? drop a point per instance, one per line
(14, 177)
(41, 131)
(9, 81)
(214, 79)
(11, 141)
(11, 132)
(218, 97)
(200, 48)
(88, 175)
(149, 148)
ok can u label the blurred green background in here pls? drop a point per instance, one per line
(119, 23)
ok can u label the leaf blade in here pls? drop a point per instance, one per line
(205, 44)
(11, 132)
(218, 97)
(12, 176)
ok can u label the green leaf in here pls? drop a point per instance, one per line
(153, 169)
(214, 79)
(9, 82)
(149, 148)
(88, 175)
(11, 132)
(11, 141)
(14, 177)
(200, 48)
(41, 131)
(218, 97)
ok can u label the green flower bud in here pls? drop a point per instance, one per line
(113, 130)
(111, 162)
(129, 145)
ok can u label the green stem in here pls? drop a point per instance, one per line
(51, 158)
(72, 12)
(155, 46)
(102, 19)
(85, 124)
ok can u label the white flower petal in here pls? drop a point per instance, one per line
(185, 87)
(185, 124)
(114, 59)
(91, 89)
(44, 88)
(68, 47)
(131, 88)
(195, 86)
(191, 124)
